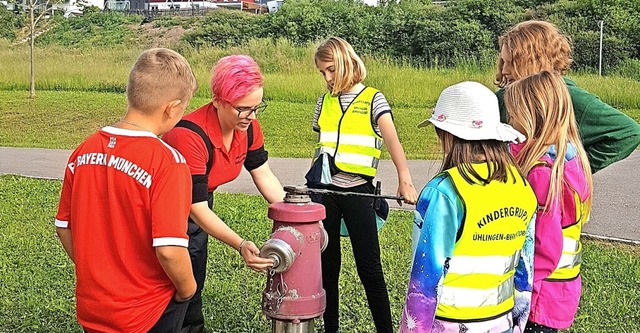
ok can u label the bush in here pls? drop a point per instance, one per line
(414, 31)
(443, 43)
(10, 23)
(494, 15)
(92, 29)
(224, 28)
(586, 46)
(579, 19)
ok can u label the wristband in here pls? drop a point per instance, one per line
(244, 241)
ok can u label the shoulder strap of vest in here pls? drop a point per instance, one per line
(207, 142)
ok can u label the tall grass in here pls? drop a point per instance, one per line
(289, 73)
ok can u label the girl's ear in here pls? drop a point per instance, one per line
(216, 103)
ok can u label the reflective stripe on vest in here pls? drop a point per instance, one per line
(349, 136)
(571, 259)
(473, 298)
(498, 265)
(479, 283)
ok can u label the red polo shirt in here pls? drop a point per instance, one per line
(226, 163)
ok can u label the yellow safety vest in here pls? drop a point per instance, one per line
(479, 282)
(349, 136)
(569, 265)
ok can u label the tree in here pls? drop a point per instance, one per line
(36, 12)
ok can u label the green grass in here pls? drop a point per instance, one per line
(36, 293)
(62, 119)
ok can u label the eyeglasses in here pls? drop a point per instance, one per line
(245, 112)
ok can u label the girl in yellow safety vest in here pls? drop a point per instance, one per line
(558, 169)
(473, 229)
(353, 121)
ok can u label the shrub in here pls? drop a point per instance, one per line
(586, 46)
(92, 29)
(579, 19)
(10, 23)
(494, 15)
(224, 28)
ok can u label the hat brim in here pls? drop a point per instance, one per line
(500, 132)
(424, 123)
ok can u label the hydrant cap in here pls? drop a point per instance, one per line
(296, 213)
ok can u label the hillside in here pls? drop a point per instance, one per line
(417, 33)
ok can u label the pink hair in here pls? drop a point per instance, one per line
(234, 77)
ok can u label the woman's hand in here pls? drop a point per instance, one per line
(251, 255)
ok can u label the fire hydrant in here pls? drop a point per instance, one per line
(293, 296)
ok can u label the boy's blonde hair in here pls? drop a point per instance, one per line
(541, 104)
(350, 69)
(534, 46)
(159, 76)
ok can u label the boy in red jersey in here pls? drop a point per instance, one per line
(122, 216)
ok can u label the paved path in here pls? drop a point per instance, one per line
(616, 211)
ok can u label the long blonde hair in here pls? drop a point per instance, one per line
(542, 106)
(534, 46)
(349, 67)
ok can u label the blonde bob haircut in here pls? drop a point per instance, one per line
(349, 68)
(542, 106)
(159, 76)
(534, 46)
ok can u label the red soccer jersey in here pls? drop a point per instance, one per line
(124, 193)
(227, 164)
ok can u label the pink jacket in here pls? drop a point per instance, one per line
(554, 303)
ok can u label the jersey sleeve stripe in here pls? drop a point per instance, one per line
(170, 241)
(61, 224)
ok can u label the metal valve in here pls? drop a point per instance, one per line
(280, 252)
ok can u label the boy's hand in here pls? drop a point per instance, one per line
(408, 192)
(251, 255)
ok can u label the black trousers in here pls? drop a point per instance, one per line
(532, 327)
(171, 319)
(198, 241)
(360, 219)
(198, 244)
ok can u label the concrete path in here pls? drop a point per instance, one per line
(616, 211)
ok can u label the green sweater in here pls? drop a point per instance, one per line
(608, 135)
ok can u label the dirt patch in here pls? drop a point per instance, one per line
(153, 36)
(174, 35)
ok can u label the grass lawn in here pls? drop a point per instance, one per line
(62, 119)
(36, 289)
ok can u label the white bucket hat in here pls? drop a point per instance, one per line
(470, 111)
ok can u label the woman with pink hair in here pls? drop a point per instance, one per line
(217, 140)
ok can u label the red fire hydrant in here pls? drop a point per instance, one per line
(293, 296)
